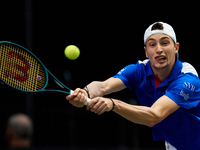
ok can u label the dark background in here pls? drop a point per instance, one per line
(110, 36)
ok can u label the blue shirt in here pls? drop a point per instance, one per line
(181, 128)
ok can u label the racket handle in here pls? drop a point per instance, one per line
(88, 99)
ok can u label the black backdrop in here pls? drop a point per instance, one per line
(110, 36)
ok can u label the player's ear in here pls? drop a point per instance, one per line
(145, 49)
(177, 45)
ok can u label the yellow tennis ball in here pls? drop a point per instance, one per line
(72, 52)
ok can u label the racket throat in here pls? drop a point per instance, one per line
(59, 84)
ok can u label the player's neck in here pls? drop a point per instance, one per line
(162, 74)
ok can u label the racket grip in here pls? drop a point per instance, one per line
(88, 99)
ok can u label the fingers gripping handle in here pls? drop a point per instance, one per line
(88, 99)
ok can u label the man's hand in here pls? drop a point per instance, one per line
(78, 98)
(100, 105)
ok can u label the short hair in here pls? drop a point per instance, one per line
(157, 26)
(21, 126)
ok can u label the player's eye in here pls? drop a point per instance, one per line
(165, 42)
(152, 44)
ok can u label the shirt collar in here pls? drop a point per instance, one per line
(149, 71)
(175, 71)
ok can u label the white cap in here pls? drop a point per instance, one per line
(167, 29)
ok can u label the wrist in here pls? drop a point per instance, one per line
(113, 104)
(87, 91)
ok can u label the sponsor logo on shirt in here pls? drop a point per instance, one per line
(185, 96)
(189, 86)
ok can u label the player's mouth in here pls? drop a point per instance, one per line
(160, 59)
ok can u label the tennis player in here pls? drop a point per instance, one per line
(167, 89)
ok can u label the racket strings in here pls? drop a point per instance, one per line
(20, 69)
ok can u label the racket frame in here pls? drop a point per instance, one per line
(47, 73)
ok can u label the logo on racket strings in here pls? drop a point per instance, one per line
(11, 64)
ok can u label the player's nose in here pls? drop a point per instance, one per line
(159, 49)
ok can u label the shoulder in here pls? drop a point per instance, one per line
(188, 75)
(188, 68)
(131, 74)
(127, 69)
(188, 78)
(132, 68)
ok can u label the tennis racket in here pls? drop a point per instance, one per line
(21, 70)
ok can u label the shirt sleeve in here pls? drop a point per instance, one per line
(185, 91)
(129, 76)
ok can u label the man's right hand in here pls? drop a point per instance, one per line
(78, 97)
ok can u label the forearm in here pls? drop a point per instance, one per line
(95, 89)
(149, 116)
(99, 89)
(137, 114)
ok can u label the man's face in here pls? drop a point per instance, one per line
(161, 50)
